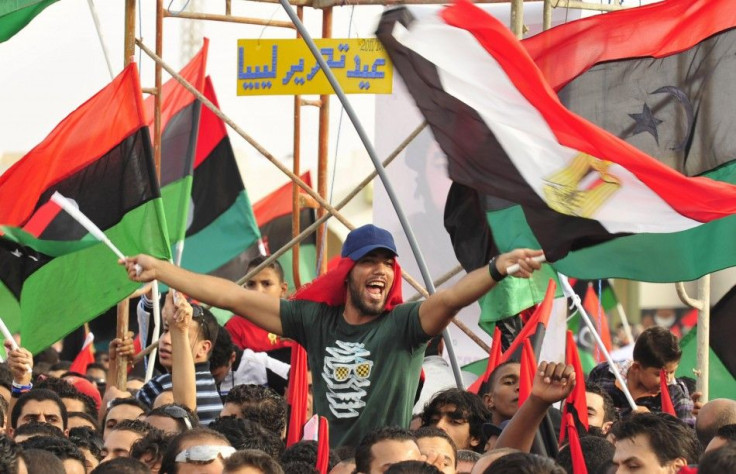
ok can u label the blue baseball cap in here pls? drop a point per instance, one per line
(364, 239)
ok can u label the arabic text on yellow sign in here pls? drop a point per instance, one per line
(287, 67)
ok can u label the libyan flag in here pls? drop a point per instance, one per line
(54, 276)
(16, 14)
(207, 206)
(507, 135)
(722, 364)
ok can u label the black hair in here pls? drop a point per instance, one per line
(248, 434)
(47, 356)
(6, 376)
(668, 437)
(299, 467)
(121, 465)
(524, 463)
(719, 460)
(150, 449)
(96, 365)
(170, 411)
(38, 395)
(363, 452)
(168, 464)
(87, 438)
(86, 416)
(433, 432)
(39, 461)
(467, 455)
(412, 467)
(38, 428)
(260, 404)
(4, 407)
(61, 365)
(494, 375)
(656, 347)
(596, 451)
(275, 266)
(727, 432)
(123, 401)
(222, 349)
(254, 458)
(9, 452)
(136, 426)
(66, 390)
(306, 451)
(62, 448)
(467, 405)
(609, 410)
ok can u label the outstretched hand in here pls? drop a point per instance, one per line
(527, 260)
(553, 382)
(177, 313)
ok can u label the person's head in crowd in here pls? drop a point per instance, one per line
(306, 451)
(719, 461)
(48, 356)
(150, 449)
(85, 396)
(601, 411)
(596, 451)
(36, 428)
(656, 349)
(299, 467)
(164, 398)
(39, 461)
(725, 435)
(202, 335)
(412, 467)
(247, 434)
(122, 409)
(60, 368)
(223, 356)
(78, 419)
(6, 382)
(103, 358)
(383, 447)
(172, 419)
(653, 443)
(64, 449)
(466, 459)
(434, 442)
(251, 461)
(97, 374)
(199, 451)
(270, 280)
(524, 463)
(134, 383)
(714, 414)
(501, 395)
(121, 437)
(121, 466)
(460, 414)
(39, 405)
(89, 443)
(9, 453)
(257, 403)
(489, 457)
(345, 466)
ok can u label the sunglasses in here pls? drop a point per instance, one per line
(198, 315)
(180, 414)
(203, 454)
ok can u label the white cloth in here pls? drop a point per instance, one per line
(438, 376)
(252, 370)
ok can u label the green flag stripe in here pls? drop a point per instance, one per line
(721, 384)
(16, 14)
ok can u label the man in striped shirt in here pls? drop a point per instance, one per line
(200, 333)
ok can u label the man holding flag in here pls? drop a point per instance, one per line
(364, 346)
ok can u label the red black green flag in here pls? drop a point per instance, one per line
(54, 276)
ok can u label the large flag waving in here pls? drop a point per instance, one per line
(16, 14)
(506, 134)
(52, 273)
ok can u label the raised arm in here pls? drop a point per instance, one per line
(178, 319)
(437, 311)
(261, 309)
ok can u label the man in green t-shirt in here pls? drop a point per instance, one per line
(365, 348)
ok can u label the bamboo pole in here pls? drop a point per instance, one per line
(228, 19)
(322, 151)
(296, 208)
(601, 7)
(702, 354)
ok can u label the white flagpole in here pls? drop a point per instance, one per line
(568, 291)
(156, 329)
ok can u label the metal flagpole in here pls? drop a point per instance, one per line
(570, 293)
(381, 173)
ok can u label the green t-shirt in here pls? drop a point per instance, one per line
(363, 376)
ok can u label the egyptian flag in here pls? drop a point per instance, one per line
(16, 14)
(273, 214)
(722, 362)
(576, 404)
(52, 272)
(507, 135)
(667, 406)
(85, 357)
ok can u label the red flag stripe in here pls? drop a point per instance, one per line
(667, 406)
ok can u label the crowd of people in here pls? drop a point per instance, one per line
(216, 407)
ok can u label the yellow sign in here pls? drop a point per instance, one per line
(287, 67)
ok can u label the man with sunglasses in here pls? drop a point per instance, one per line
(189, 332)
(365, 347)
